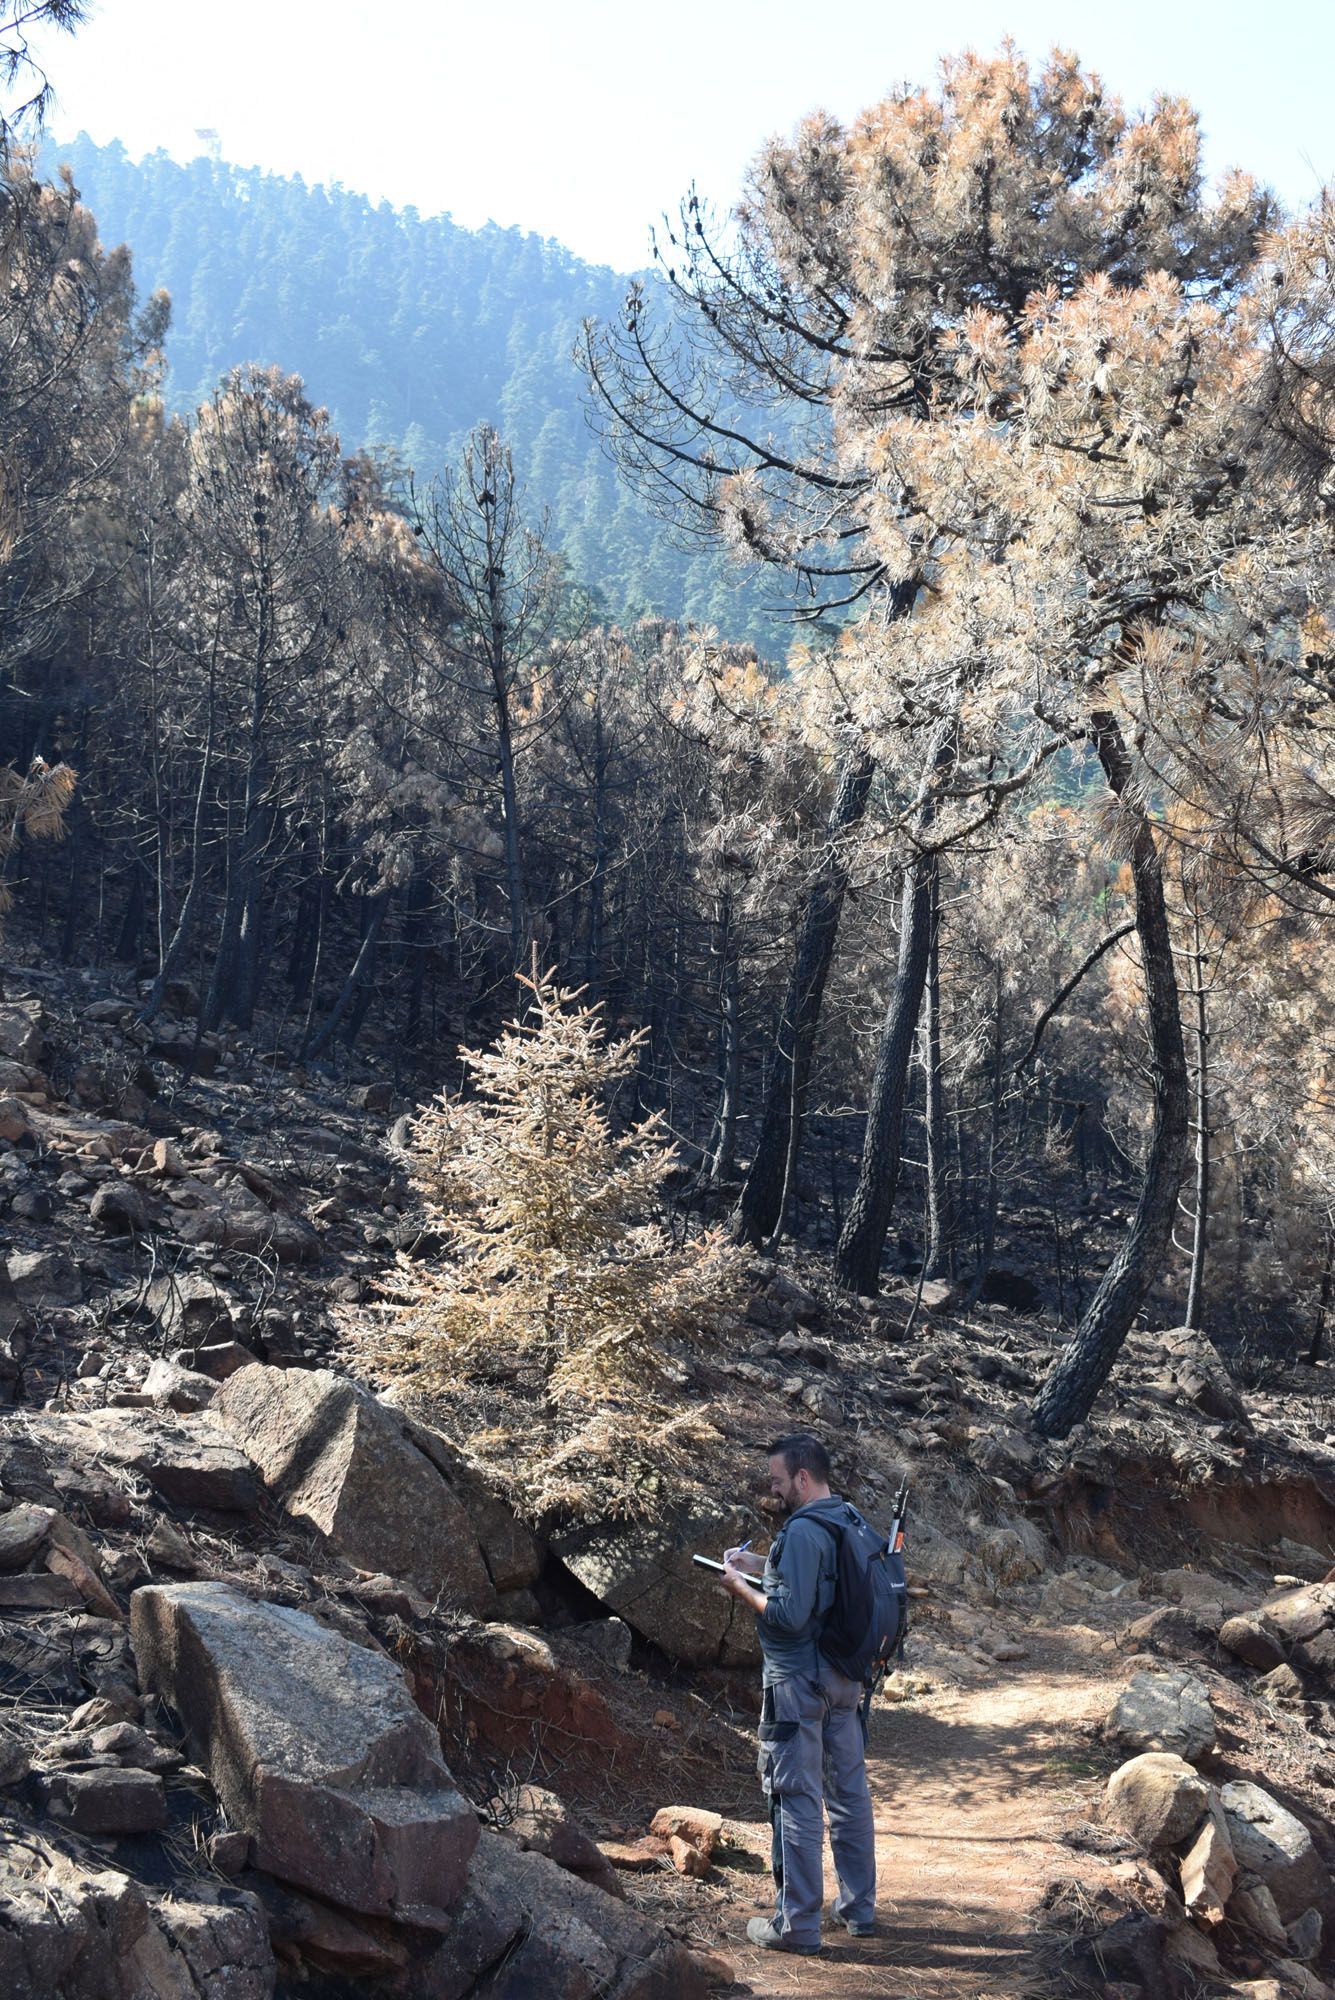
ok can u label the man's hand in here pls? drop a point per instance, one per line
(738, 1584)
(749, 1565)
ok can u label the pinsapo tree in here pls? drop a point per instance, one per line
(553, 1272)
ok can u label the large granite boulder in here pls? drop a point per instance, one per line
(41, 1279)
(22, 1031)
(242, 1222)
(314, 1746)
(528, 1930)
(1157, 1798)
(1307, 1620)
(1301, 1614)
(512, 1554)
(1251, 1639)
(540, 1822)
(190, 1309)
(1198, 1372)
(69, 1931)
(1163, 1711)
(645, 1575)
(186, 1459)
(1273, 1848)
(338, 1458)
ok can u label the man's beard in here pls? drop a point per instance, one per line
(789, 1503)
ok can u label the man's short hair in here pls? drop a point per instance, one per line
(801, 1452)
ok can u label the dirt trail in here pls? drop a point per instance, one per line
(971, 1787)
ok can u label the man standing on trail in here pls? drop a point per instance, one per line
(811, 1734)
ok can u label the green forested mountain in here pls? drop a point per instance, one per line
(410, 330)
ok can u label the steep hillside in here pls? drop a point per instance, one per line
(469, 1719)
(410, 330)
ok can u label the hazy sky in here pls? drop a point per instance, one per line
(583, 119)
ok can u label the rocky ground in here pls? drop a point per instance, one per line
(289, 1699)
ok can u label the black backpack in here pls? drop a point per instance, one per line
(867, 1622)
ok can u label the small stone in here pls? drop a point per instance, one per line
(1300, 1979)
(108, 1801)
(134, 1749)
(38, 1593)
(1250, 1639)
(23, 1530)
(121, 1209)
(1281, 1684)
(167, 1548)
(14, 1124)
(637, 1857)
(717, 1970)
(22, 1036)
(71, 1557)
(1188, 1946)
(609, 1638)
(1209, 1869)
(172, 1387)
(371, 1096)
(102, 1711)
(43, 1278)
(686, 1858)
(33, 1204)
(15, 1762)
(696, 1824)
(1301, 1614)
(1254, 1906)
(1305, 1934)
(220, 1360)
(229, 1852)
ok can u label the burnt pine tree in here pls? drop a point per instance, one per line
(750, 394)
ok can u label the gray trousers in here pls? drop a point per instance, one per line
(812, 1751)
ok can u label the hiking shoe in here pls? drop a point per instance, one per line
(865, 1929)
(763, 1931)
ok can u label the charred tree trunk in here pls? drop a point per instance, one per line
(417, 939)
(1068, 1394)
(250, 937)
(130, 936)
(857, 1261)
(361, 968)
(723, 1156)
(1200, 1223)
(185, 922)
(1322, 1305)
(301, 957)
(757, 1212)
(987, 1239)
(231, 991)
(593, 962)
(939, 1251)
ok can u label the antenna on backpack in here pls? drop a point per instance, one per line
(901, 1507)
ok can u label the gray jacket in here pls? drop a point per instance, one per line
(799, 1581)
